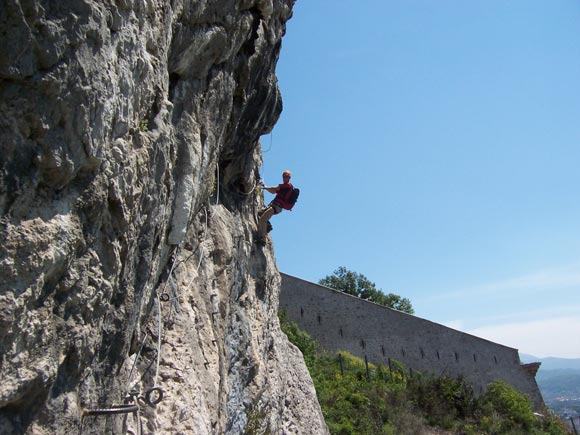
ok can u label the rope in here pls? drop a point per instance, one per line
(250, 192)
(268, 150)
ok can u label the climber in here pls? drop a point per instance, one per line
(286, 196)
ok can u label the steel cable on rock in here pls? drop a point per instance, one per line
(200, 253)
(217, 201)
(136, 359)
(147, 333)
(198, 246)
(173, 267)
(159, 298)
(159, 320)
(134, 408)
(158, 338)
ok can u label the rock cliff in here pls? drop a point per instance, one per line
(133, 298)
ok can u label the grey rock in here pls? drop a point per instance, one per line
(129, 152)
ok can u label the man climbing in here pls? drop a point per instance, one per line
(281, 201)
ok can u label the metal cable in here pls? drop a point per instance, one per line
(200, 254)
(217, 201)
(158, 338)
(136, 359)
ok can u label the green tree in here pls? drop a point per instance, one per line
(356, 284)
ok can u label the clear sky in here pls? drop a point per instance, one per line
(436, 144)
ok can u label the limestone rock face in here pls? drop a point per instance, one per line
(129, 277)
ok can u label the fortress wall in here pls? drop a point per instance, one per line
(338, 321)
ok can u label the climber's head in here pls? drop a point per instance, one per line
(286, 175)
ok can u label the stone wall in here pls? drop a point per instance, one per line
(339, 321)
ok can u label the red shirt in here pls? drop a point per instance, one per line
(284, 191)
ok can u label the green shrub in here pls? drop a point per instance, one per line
(552, 425)
(299, 338)
(443, 399)
(389, 402)
(514, 407)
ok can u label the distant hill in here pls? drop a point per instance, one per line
(552, 363)
(559, 382)
(563, 383)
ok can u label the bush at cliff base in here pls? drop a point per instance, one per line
(503, 410)
(380, 401)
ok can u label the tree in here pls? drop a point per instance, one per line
(356, 284)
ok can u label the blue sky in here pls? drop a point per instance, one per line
(436, 146)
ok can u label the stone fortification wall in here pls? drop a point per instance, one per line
(339, 321)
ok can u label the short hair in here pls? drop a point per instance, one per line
(287, 173)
